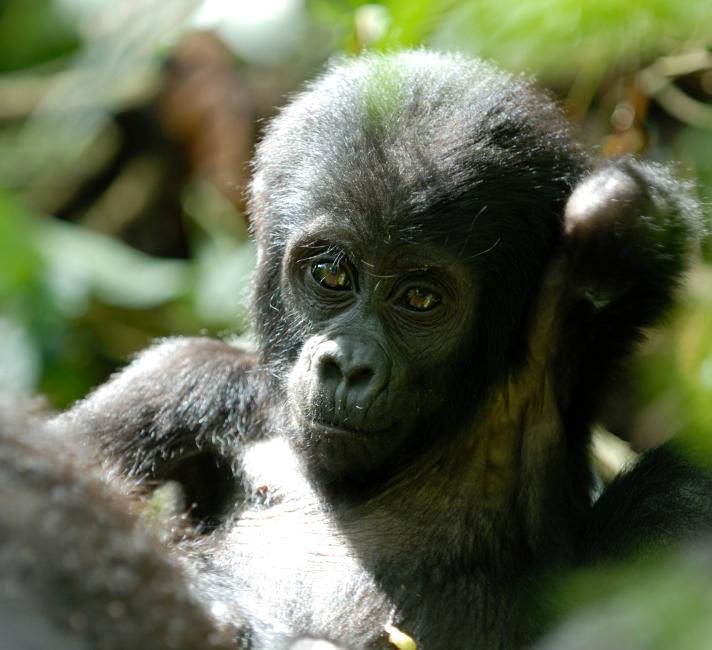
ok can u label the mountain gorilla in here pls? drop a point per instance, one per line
(445, 284)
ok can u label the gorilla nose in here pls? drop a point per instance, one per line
(333, 370)
(353, 371)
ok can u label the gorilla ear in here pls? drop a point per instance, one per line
(629, 231)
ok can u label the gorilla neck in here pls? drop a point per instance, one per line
(464, 520)
(485, 481)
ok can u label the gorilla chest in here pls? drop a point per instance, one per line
(305, 569)
(303, 577)
(293, 563)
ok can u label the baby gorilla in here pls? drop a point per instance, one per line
(445, 284)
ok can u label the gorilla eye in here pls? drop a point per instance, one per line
(332, 275)
(417, 299)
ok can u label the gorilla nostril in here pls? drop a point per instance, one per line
(330, 371)
(360, 377)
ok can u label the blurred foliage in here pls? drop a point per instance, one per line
(659, 602)
(76, 302)
(34, 32)
(548, 37)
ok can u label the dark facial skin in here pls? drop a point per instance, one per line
(378, 321)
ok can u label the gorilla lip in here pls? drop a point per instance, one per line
(336, 430)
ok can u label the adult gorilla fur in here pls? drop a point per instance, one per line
(446, 284)
(78, 571)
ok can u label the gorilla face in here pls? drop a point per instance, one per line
(379, 324)
(400, 242)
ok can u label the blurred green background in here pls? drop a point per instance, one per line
(126, 129)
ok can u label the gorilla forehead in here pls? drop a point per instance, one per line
(411, 145)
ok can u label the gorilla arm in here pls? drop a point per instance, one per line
(182, 408)
(630, 231)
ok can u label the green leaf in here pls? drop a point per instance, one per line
(82, 264)
(225, 268)
(21, 261)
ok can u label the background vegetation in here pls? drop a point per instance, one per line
(125, 131)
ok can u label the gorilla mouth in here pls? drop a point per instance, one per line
(333, 428)
(344, 450)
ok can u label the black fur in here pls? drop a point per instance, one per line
(373, 463)
(77, 572)
(665, 498)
